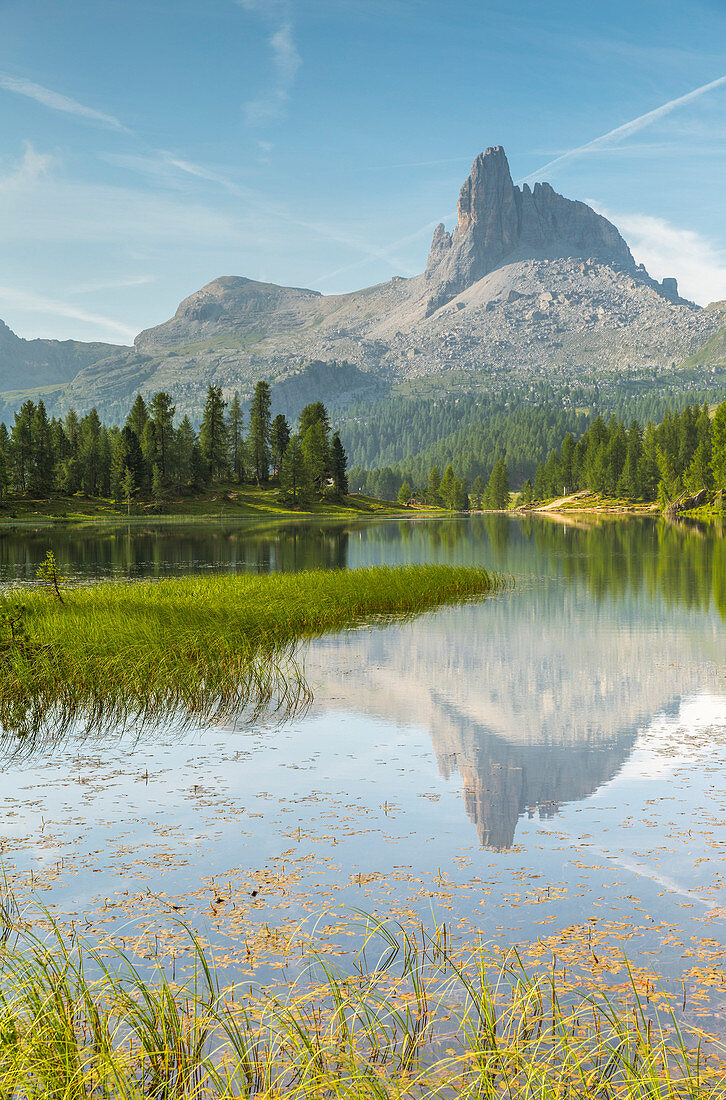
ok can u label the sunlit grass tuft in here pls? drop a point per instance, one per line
(414, 1020)
(205, 647)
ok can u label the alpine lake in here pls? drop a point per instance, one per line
(542, 769)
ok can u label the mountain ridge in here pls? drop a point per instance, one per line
(528, 284)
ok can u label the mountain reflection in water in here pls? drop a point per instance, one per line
(534, 698)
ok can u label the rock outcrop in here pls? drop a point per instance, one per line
(499, 223)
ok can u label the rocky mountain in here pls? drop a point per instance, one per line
(31, 363)
(528, 284)
(499, 224)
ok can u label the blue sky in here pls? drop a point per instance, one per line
(147, 147)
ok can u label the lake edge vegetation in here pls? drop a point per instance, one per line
(419, 1017)
(200, 647)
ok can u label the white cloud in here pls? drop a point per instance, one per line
(286, 60)
(669, 250)
(33, 303)
(57, 102)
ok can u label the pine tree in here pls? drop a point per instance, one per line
(128, 488)
(89, 454)
(315, 413)
(404, 494)
(478, 490)
(125, 456)
(497, 494)
(4, 472)
(136, 420)
(279, 440)
(213, 434)
(41, 471)
(338, 465)
(258, 439)
(629, 484)
(186, 441)
(316, 453)
(433, 486)
(162, 413)
(461, 494)
(540, 491)
(148, 452)
(72, 432)
(235, 427)
(157, 482)
(447, 488)
(718, 447)
(567, 456)
(294, 475)
(526, 495)
(21, 447)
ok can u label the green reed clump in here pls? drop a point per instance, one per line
(419, 1021)
(200, 646)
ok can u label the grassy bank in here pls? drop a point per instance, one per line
(201, 646)
(415, 1020)
(227, 501)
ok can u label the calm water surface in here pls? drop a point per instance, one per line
(545, 768)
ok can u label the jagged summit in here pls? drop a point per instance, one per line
(501, 223)
(528, 285)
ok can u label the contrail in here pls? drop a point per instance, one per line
(627, 128)
(57, 102)
(617, 134)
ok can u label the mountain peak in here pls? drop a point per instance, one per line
(499, 223)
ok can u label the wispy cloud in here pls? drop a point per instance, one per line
(33, 303)
(286, 60)
(162, 163)
(111, 284)
(620, 133)
(18, 85)
(669, 250)
(31, 167)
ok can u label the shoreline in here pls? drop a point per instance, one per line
(232, 504)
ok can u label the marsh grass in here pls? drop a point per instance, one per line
(202, 647)
(415, 1019)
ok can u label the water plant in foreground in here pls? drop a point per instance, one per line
(414, 1019)
(205, 647)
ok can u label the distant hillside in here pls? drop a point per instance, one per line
(713, 353)
(28, 364)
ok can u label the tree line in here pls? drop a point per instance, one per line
(685, 452)
(153, 457)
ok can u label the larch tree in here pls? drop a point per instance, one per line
(235, 429)
(338, 465)
(213, 434)
(162, 413)
(279, 440)
(258, 437)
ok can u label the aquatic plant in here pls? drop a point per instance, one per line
(205, 647)
(417, 1020)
